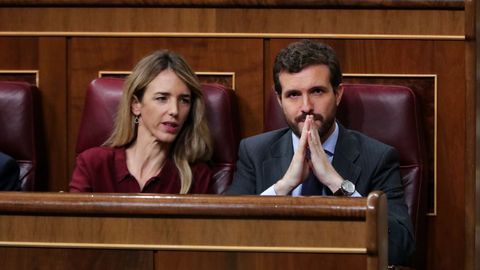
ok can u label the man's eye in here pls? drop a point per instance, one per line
(290, 95)
(161, 98)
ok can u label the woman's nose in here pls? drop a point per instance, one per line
(173, 108)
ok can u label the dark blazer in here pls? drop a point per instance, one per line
(368, 163)
(9, 173)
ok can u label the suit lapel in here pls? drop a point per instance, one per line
(281, 153)
(346, 153)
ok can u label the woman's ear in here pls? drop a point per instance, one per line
(136, 105)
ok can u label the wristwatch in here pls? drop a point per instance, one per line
(347, 188)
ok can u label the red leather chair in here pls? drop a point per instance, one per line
(389, 114)
(18, 136)
(101, 103)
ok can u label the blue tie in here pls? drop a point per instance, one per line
(311, 186)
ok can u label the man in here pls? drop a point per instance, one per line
(9, 173)
(316, 155)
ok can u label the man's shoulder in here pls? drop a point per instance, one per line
(4, 158)
(367, 142)
(7, 162)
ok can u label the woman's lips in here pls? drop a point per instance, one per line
(171, 127)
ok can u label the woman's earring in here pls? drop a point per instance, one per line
(136, 119)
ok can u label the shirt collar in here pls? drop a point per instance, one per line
(328, 145)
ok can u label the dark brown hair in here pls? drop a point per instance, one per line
(301, 54)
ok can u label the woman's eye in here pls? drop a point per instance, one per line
(185, 100)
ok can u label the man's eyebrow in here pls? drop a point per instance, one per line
(319, 87)
(291, 90)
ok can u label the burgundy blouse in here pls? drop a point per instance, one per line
(104, 169)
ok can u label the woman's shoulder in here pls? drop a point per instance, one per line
(99, 150)
(100, 153)
(101, 158)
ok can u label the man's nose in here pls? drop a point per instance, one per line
(307, 106)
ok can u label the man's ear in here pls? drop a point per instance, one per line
(339, 94)
(135, 106)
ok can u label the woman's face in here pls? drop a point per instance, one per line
(164, 107)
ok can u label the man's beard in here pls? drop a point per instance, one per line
(324, 129)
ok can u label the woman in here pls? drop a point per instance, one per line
(161, 139)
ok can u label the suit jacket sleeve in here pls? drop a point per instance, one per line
(244, 180)
(373, 165)
(400, 229)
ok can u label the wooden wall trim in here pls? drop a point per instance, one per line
(230, 35)
(472, 151)
(337, 250)
(390, 4)
(224, 22)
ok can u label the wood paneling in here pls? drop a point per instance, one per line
(19, 53)
(472, 160)
(254, 20)
(54, 95)
(435, 4)
(20, 76)
(256, 261)
(78, 259)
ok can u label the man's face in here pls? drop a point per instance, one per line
(309, 92)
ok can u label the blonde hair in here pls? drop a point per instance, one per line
(193, 143)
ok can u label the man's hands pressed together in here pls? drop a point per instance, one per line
(315, 161)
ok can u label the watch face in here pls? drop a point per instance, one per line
(348, 187)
